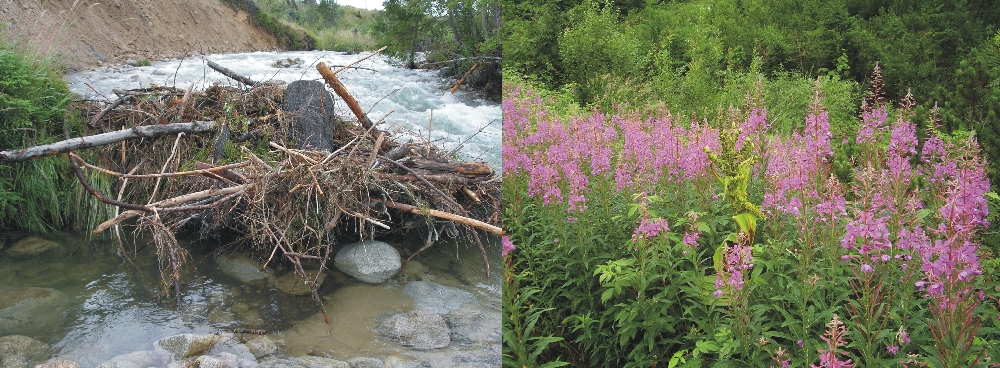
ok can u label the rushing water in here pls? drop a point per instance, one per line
(415, 97)
(114, 306)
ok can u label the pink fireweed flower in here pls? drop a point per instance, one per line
(690, 239)
(737, 259)
(894, 349)
(834, 337)
(872, 231)
(782, 358)
(650, 228)
(872, 122)
(508, 246)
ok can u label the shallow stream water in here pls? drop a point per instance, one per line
(114, 307)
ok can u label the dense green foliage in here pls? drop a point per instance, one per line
(41, 194)
(683, 52)
(443, 29)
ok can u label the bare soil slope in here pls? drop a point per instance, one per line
(87, 33)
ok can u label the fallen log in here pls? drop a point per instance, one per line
(231, 74)
(338, 87)
(460, 81)
(443, 215)
(359, 60)
(469, 170)
(145, 131)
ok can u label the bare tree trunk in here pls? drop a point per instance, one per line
(482, 18)
(145, 131)
(454, 29)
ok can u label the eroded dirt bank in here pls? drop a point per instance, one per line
(88, 33)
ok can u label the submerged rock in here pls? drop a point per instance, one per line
(474, 325)
(31, 246)
(59, 363)
(28, 310)
(241, 267)
(311, 108)
(290, 283)
(371, 261)
(260, 346)
(137, 359)
(365, 363)
(19, 351)
(319, 362)
(188, 345)
(419, 329)
(437, 298)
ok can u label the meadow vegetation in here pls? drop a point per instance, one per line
(685, 186)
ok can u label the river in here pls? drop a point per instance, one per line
(114, 309)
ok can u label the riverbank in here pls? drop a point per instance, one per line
(87, 33)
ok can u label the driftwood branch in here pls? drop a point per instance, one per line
(338, 87)
(444, 215)
(145, 131)
(201, 170)
(470, 170)
(231, 74)
(460, 81)
(112, 106)
(170, 202)
(359, 60)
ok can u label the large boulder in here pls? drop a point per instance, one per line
(311, 108)
(26, 311)
(19, 351)
(419, 329)
(32, 246)
(371, 261)
(241, 267)
(260, 346)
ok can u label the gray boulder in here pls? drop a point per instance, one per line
(241, 267)
(31, 246)
(260, 346)
(311, 108)
(473, 325)
(371, 261)
(29, 310)
(419, 329)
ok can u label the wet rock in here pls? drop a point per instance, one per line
(32, 246)
(139, 359)
(371, 261)
(290, 283)
(59, 363)
(241, 267)
(311, 108)
(319, 362)
(188, 345)
(397, 362)
(474, 325)
(131, 62)
(281, 363)
(20, 310)
(437, 298)
(365, 363)
(221, 360)
(419, 329)
(260, 346)
(19, 351)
